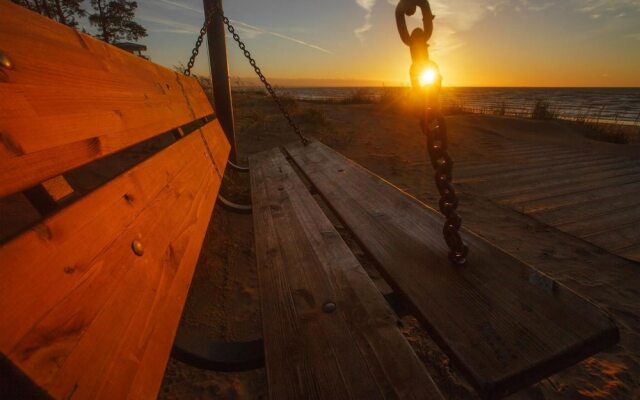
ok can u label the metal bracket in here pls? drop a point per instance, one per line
(235, 207)
(197, 350)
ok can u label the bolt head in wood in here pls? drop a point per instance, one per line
(137, 248)
(5, 61)
(329, 307)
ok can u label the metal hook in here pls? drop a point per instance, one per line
(408, 8)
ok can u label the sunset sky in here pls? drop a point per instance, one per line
(355, 42)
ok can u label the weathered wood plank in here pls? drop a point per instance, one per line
(596, 194)
(507, 170)
(620, 237)
(503, 323)
(586, 209)
(522, 184)
(533, 150)
(602, 223)
(103, 320)
(71, 99)
(533, 158)
(522, 199)
(355, 352)
(632, 253)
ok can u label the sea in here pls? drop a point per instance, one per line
(622, 104)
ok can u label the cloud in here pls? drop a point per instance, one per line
(176, 4)
(242, 25)
(367, 5)
(535, 5)
(170, 25)
(247, 31)
(456, 16)
(598, 8)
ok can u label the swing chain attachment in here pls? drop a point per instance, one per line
(435, 129)
(216, 11)
(432, 121)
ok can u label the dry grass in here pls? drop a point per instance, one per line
(611, 133)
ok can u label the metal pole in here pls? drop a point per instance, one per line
(220, 76)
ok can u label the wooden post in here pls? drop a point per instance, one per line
(220, 76)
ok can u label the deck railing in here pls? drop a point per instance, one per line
(541, 109)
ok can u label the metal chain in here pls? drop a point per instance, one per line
(217, 12)
(435, 129)
(433, 124)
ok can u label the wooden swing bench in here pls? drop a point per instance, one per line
(91, 296)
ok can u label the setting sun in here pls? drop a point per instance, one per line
(428, 76)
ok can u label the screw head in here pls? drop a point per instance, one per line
(329, 307)
(137, 248)
(5, 61)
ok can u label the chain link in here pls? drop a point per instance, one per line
(217, 12)
(435, 129)
(433, 125)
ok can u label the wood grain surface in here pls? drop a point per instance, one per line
(83, 316)
(503, 323)
(355, 352)
(70, 99)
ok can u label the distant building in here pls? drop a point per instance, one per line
(133, 48)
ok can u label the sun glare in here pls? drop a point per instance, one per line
(428, 76)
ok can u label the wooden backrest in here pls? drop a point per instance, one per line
(91, 296)
(70, 99)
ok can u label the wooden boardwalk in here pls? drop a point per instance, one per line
(593, 196)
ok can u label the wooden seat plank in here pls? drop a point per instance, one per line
(104, 319)
(355, 352)
(503, 323)
(71, 99)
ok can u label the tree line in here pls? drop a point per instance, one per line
(113, 19)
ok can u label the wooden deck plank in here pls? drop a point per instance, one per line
(104, 319)
(482, 169)
(632, 253)
(507, 170)
(557, 201)
(619, 238)
(524, 198)
(526, 183)
(503, 323)
(73, 99)
(602, 223)
(567, 167)
(356, 351)
(533, 159)
(538, 154)
(587, 209)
